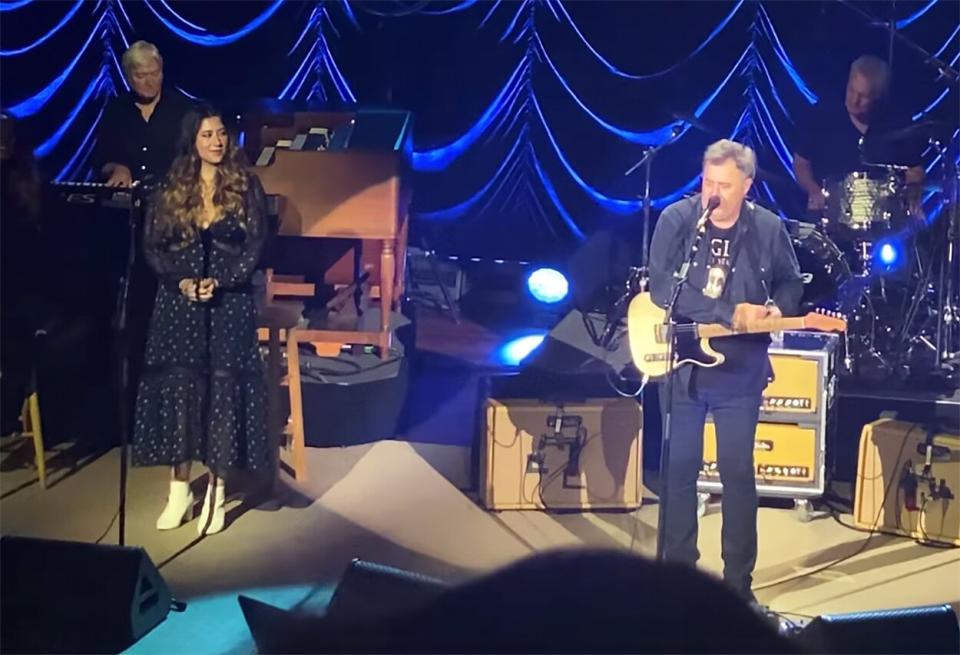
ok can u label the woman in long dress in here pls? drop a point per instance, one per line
(202, 396)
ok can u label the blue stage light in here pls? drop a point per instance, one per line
(888, 254)
(548, 285)
(516, 350)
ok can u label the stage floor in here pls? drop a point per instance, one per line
(408, 503)
(401, 503)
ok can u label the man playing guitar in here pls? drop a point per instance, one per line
(744, 271)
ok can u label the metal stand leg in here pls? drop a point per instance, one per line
(448, 306)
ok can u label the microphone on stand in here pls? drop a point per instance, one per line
(712, 203)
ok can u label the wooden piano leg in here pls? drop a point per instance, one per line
(274, 420)
(387, 277)
(296, 406)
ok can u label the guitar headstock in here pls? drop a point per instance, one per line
(825, 321)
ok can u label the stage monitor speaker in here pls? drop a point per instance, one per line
(61, 596)
(910, 630)
(570, 365)
(368, 590)
(367, 593)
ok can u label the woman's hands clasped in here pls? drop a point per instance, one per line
(198, 290)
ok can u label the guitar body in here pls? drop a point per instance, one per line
(649, 343)
(649, 349)
(691, 350)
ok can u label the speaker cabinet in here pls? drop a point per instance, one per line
(909, 630)
(908, 479)
(555, 455)
(60, 596)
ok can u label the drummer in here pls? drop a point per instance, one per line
(834, 140)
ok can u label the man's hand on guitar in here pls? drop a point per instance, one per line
(744, 314)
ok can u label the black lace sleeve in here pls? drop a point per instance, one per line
(166, 262)
(233, 261)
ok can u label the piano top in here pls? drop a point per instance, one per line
(352, 190)
(362, 129)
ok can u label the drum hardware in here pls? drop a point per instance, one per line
(944, 310)
(865, 201)
(948, 303)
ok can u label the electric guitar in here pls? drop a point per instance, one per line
(649, 336)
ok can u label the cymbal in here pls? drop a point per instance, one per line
(926, 129)
(926, 187)
(696, 123)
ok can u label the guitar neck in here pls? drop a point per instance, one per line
(708, 331)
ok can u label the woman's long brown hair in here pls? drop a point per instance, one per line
(181, 197)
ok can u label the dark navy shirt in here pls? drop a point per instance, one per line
(759, 264)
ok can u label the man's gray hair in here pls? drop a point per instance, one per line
(874, 69)
(139, 54)
(724, 149)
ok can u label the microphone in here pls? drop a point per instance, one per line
(712, 203)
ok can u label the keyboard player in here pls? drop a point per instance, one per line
(137, 142)
(138, 133)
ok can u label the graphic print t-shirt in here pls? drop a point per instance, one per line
(719, 244)
(746, 354)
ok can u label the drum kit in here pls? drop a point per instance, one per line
(873, 256)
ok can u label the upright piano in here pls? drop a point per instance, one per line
(340, 175)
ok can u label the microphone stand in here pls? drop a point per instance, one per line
(680, 278)
(206, 241)
(647, 161)
(123, 355)
(635, 284)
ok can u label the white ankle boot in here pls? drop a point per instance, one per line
(179, 506)
(212, 516)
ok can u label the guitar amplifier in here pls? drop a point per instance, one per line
(908, 480)
(572, 455)
(796, 407)
(804, 378)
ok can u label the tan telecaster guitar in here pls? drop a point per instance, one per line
(649, 336)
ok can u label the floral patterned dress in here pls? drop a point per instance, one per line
(202, 396)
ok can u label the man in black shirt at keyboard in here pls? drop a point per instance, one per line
(745, 270)
(138, 132)
(837, 138)
(137, 142)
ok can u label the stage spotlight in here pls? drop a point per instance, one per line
(888, 254)
(548, 285)
(515, 351)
